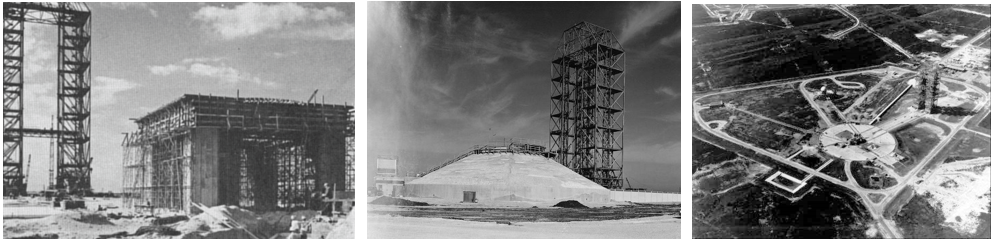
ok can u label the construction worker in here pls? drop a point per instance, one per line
(315, 203)
(299, 228)
(328, 194)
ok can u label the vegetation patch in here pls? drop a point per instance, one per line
(863, 172)
(760, 132)
(755, 212)
(921, 220)
(836, 169)
(752, 52)
(704, 153)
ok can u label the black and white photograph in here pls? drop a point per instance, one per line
(841, 121)
(179, 120)
(523, 120)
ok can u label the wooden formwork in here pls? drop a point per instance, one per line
(257, 153)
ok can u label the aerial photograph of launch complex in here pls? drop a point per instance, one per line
(524, 120)
(841, 121)
(178, 120)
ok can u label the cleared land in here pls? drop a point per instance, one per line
(902, 23)
(915, 140)
(381, 226)
(754, 130)
(782, 103)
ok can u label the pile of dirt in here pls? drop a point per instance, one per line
(157, 230)
(570, 204)
(77, 224)
(397, 202)
(344, 229)
(224, 218)
(220, 222)
(170, 220)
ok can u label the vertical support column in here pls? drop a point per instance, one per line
(73, 97)
(202, 169)
(13, 104)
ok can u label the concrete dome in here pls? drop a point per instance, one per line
(507, 177)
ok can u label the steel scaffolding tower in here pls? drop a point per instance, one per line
(72, 131)
(588, 81)
(929, 78)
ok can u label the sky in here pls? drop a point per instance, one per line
(145, 55)
(444, 76)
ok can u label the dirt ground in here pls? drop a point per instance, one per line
(387, 227)
(478, 221)
(34, 218)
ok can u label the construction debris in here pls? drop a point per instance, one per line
(345, 229)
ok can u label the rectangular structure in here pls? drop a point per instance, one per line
(586, 105)
(72, 130)
(256, 153)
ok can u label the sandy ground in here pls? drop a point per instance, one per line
(29, 217)
(962, 190)
(663, 227)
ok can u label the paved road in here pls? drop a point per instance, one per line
(885, 227)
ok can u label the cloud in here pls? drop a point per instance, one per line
(644, 17)
(341, 31)
(253, 19)
(667, 91)
(105, 88)
(166, 69)
(131, 5)
(39, 49)
(672, 40)
(214, 68)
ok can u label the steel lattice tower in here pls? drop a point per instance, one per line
(588, 81)
(929, 78)
(72, 130)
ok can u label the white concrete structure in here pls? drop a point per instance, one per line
(507, 177)
(879, 146)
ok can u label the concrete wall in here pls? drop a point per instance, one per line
(331, 153)
(507, 193)
(645, 197)
(202, 174)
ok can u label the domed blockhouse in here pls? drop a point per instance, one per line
(507, 176)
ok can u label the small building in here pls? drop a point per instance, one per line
(387, 181)
(713, 105)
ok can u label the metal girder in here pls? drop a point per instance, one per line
(73, 93)
(587, 100)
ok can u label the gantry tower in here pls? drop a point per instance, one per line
(929, 78)
(72, 129)
(588, 81)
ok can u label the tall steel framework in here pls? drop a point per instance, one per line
(587, 98)
(72, 130)
(929, 78)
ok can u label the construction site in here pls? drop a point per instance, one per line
(201, 166)
(570, 187)
(888, 149)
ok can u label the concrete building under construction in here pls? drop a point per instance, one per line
(257, 153)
